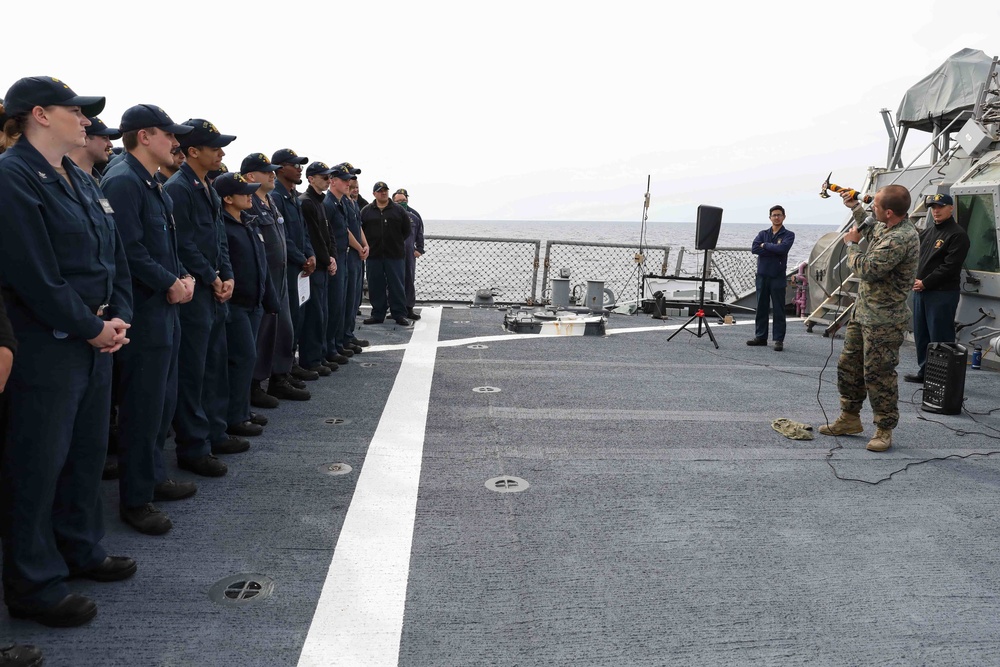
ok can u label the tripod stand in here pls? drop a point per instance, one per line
(700, 314)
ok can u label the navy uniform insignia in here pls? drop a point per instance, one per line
(292, 153)
(42, 174)
(211, 128)
(239, 178)
(106, 205)
(938, 243)
(263, 158)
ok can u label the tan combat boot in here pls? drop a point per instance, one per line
(846, 424)
(882, 440)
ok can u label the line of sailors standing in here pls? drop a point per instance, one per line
(190, 280)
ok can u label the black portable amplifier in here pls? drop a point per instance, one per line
(944, 378)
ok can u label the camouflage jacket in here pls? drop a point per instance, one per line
(887, 270)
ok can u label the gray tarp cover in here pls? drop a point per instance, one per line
(945, 92)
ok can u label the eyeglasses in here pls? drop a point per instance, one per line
(325, 177)
(176, 151)
(296, 167)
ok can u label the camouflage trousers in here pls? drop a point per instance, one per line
(867, 367)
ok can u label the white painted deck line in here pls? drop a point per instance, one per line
(505, 337)
(359, 618)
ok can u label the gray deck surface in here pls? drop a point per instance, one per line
(666, 522)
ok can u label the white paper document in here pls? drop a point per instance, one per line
(303, 288)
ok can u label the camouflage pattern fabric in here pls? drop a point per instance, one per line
(867, 367)
(887, 270)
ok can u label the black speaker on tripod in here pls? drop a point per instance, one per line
(707, 226)
(944, 378)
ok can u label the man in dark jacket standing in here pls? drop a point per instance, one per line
(943, 248)
(386, 226)
(771, 247)
(312, 342)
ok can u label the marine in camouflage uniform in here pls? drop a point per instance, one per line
(867, 365)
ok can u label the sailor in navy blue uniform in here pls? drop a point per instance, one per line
(301, 257)
(147, 367)
(413, 247)
(355, 263)
(253, 295)
(164, 173)
(203, 386)
(336, 205)
(274, 338)
(94, 156)
(66, 286)
(312, 342)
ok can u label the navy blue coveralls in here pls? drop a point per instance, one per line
(355, 272)
(274, 338)
(336, 214)
(253, 295)
(60, 260)
(299, 250)
(147, 366)
(415, 241)
(203, 385)
(6, 340)
(772, 260)
(312, 341)
(386, 230)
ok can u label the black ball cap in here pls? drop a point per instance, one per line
(233, 183)
(318, 169)
(257, 162)
(43, 91)
(342, 171)
(288, 156)
(205, 134)
(145, 116)
(380, 186)
(97, 128)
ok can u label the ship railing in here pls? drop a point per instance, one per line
(454, 268)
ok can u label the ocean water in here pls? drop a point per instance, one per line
(675, 234)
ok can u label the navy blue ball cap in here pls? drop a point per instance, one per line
(233, 183)
(257, 162)
(204, 134)
(342, 171)
(380, 186)
(401, 191)
(287, 156)
(144, 116)
(354, 170)
(318, 169)
(43, 91)
(97, 128)
(940, 200)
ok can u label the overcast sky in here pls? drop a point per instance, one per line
(528, 110)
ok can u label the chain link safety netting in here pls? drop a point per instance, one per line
(614, 264)
(453, 268)
(737, 267)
